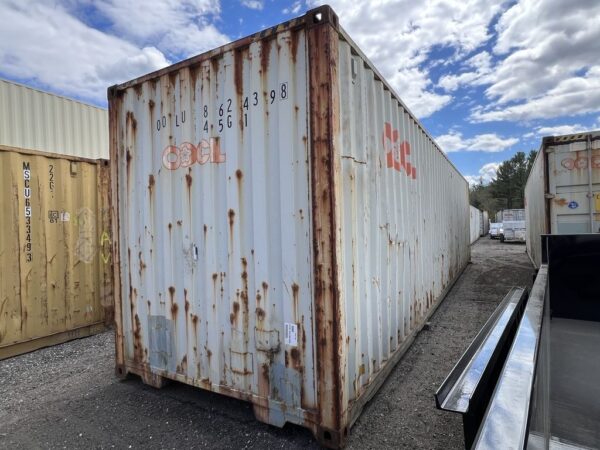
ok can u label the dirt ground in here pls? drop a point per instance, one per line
(68, 397)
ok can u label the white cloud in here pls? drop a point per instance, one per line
(293, 9)
(253, 4)
(572, 96)
(45, 43)
(549, 64)
(398, 35)
(487, 142)
(178, 27)
(481, 62)
(487, 173)
(560, 130)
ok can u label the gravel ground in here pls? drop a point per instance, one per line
(67, 396)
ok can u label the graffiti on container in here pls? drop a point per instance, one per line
(580, 163)
(105, 247)
(27, 196)
(397, 151)
(85, 247)
(187, 154)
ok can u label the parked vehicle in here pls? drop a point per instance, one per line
(513, 225)
(495, 230)
(562, 194)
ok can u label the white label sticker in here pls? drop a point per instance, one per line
(291, 334)
(65, 216)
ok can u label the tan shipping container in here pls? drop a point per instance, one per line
(283, 225)
(55, 249)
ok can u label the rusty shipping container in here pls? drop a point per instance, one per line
(283, 224)
(56, 273)
(562, 194)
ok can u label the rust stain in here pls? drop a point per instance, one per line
(151, 183)
(188, 180)
(238, 72)
(295, 295)
(231, 215)
(182, 367)
(142, 264)
(234, 314)
(138, 351)
(265, 56)
(174, 306)
(561, 201)
(324, 117)
(294, 45)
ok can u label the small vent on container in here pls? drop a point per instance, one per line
(73, 168)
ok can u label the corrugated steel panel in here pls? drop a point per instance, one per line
(563, 190)
(56, 277)
(261, 228)
(403, 222)
(474, 224)
(36, 120)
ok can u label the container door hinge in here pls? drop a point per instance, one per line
(548, 195)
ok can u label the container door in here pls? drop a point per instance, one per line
(215, 226)
(575, 208)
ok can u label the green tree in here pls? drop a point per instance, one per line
(507, 191)
(509, 186)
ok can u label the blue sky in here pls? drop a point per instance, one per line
(486, 77)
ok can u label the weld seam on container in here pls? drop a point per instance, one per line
(283, 225)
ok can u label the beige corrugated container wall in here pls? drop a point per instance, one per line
(562, 194)
(36, 120)
(55, 250)
(283, 225)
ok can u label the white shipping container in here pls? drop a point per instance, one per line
(485, 223)
(35, 120)
(284, 224)
(562, 194)
(475, 224)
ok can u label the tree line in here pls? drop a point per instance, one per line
(507, 190)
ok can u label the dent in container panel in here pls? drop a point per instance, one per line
(274, 209)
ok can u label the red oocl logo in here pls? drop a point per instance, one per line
(397, 151)
(187, 154)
